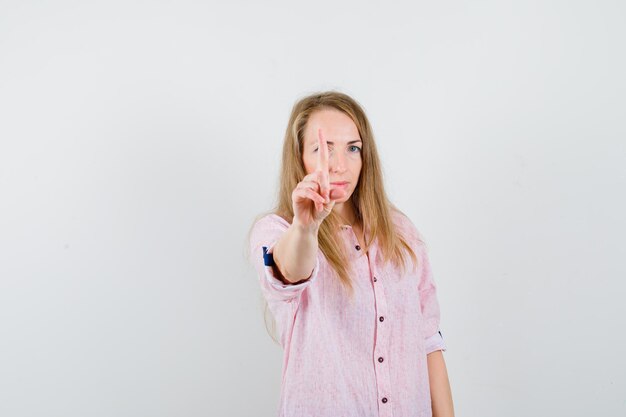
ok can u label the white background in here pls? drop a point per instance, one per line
(139, 139)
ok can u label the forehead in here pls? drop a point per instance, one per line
(336, 127)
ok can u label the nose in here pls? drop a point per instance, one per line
(337, 161)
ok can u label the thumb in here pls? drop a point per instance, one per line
(337, 194)
(328, 207)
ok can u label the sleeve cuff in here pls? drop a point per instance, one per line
(434, 343)
(276, 283)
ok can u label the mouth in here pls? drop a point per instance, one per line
(340, 184)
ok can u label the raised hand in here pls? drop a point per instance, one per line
(312, 199)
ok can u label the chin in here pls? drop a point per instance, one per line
(346, 198)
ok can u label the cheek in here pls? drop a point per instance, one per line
(309, 166)
(356, 167)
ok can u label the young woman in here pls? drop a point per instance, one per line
(347, 277)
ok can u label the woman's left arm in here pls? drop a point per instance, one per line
(440, 393)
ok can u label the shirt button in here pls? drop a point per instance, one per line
(357, 247)
(375, 279)
(384, 400)
(381, 318)
(380, 359)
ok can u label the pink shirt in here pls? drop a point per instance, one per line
(363, 359)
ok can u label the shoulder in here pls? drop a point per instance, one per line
(405, 227)
(271, 220)
(266, 226)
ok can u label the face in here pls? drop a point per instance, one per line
(344, 146)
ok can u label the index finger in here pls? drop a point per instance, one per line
(322, 165)
(322, 155)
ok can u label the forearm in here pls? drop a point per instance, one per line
(440, 392)
(295, 253)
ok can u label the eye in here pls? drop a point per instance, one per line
(354, 148)
(330, 149)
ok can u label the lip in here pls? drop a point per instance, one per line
(340, 183)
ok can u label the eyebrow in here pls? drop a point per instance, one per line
(332, 143)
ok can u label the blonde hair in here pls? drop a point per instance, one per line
(371, 205)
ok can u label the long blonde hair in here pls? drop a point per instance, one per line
(371, 205)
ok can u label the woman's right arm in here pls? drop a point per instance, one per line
(295, 252)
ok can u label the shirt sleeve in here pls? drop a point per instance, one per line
(265, 234)
(427, 290)
(434, 343)
(429, 306)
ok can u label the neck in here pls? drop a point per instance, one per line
(345, 211)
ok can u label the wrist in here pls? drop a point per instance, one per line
(310, 229)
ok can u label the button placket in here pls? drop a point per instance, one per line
(381, 345)
(354, 239)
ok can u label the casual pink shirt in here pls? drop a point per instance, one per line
(361, 359)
